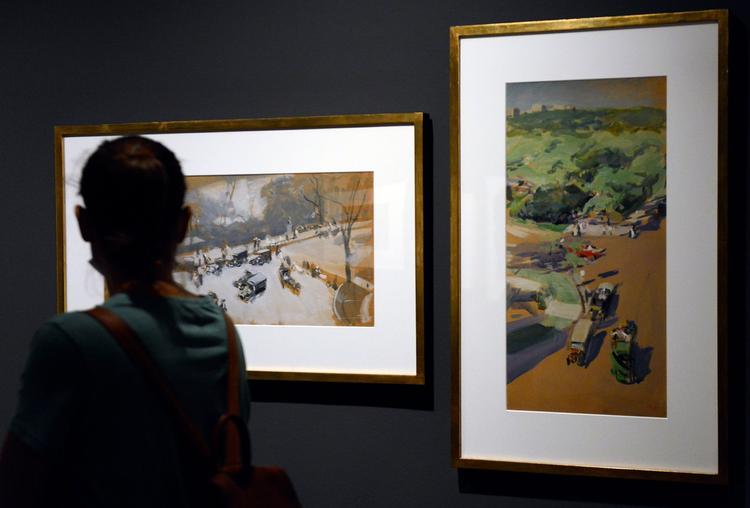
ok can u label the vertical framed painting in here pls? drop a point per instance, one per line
(588, 162)
(307, 231)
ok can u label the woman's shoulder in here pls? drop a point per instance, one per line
(164, 322)
(70, 332)
(182, 310)
(192, 322)
(63, 327)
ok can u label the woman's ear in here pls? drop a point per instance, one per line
(84, 224)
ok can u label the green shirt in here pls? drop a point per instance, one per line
(85, 406)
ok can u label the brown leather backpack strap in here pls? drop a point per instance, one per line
(133, 347)
(233, 369)
(231, 428)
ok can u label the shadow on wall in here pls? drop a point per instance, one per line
(371, 394)
(604, 491)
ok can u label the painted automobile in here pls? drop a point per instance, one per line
(621, 358)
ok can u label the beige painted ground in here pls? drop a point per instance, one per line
(554, 386)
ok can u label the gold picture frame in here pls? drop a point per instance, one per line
(484, 60)
(328, 142)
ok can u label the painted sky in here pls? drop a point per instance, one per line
(590, 93)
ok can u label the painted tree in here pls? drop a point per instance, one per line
(312, 191)
(340, 198)
(228, 205)
(351, 201)
(195, 222)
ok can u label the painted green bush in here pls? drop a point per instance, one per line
(606, 159)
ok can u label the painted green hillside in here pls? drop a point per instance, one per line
(559, 162)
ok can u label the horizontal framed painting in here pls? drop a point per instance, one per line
(307, 231)
(588, 162)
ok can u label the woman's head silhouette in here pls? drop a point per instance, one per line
(133, 191)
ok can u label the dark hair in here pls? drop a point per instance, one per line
(133, 189)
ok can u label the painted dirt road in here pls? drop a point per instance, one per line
(554, 386)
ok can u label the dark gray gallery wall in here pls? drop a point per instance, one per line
(73, 62)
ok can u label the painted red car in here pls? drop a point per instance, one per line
(587, 251)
